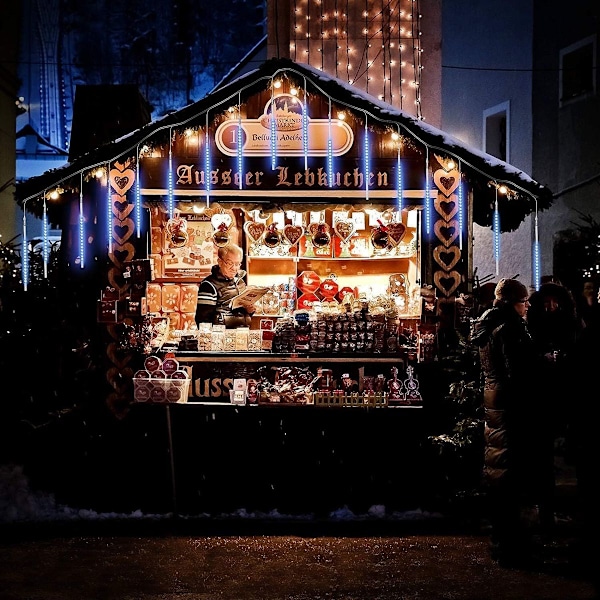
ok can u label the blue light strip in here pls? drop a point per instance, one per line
(45, 241)
(329, 149)
(25, 251)
(170, 199)
(240, 152)
(399, 182)
(207, 166)
(108, 209)
(461, 214)
(273, 131)
(367, 159)
(138, 195)
(537, 261)
(81, 227)
(305, 128)
(497, 235)
(427, 197)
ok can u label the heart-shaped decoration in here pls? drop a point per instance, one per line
(254, 230)
(446, 207)
(121, 209)
(313, 228)
(117, 358)
(121, 253)
(447, 258)
(118, 405)
(446, 181)
(121, 181)
(395, 232)
(344, 230)
(292, 233)
(446, 232)
(447, 283)
(123, 231)
(117, 281)
(223, 218)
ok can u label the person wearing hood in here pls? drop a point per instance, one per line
(217, 290)
(508, 363)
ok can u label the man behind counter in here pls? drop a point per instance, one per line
(218, 289)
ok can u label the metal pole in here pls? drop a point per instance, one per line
(172, 460)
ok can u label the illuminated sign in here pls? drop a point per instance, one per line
(256, 133)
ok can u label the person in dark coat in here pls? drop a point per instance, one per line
(217, 290)
(555, 328)
(508, 364)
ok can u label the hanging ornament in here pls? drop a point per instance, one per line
(321, 238)
(254, 230)
(396, 232)
(380, 237)
(177, 230)
(221, 236)
(292, 234)
(272, 236)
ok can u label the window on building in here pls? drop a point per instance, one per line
(577, 69)
(496, 128)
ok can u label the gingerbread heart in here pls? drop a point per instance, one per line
(395, 232)
(119, 359)
(223, 218)
(118, 405)
(344, 230)
(121, 181)
(292, 233)
(446, 181)
(446, 232)
(254, 230)
(121, 253)
(123, 231)
(447, 258)
(121, 208)
(446, 207)
(447, 283)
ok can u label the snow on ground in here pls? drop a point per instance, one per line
(18, 503)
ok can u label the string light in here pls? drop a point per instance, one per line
(25, 257)
(138, 199)
(170, 198)
(305, 127)
(45, 240)
(496, 227)
(461, 214)
(207, 165)
(273, 131)
(81, 226)
(427, 198)
(329, 148)
(108, 210)
(537, 262)
(240, 143)
(399, 182)
(367, 158)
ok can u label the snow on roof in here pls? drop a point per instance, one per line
(478, 167)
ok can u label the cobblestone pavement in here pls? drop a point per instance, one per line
(187, 560)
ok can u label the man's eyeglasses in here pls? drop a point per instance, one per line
(523, 301)
(232, 264)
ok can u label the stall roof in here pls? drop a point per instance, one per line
(479, 168)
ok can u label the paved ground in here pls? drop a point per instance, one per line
(268, 560)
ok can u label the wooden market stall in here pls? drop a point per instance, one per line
(354, 216)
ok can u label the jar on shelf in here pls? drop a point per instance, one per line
(271, 302)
